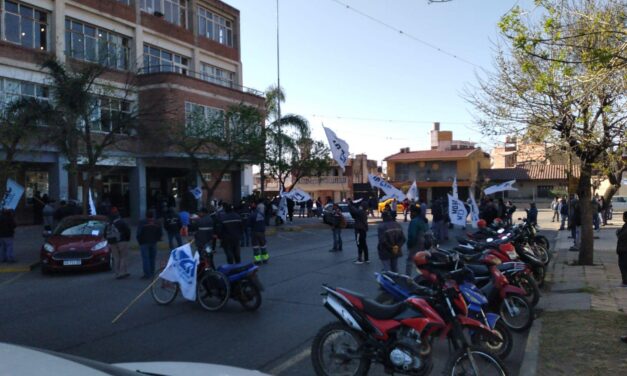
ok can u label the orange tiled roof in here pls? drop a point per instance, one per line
(530, 172)
(431, 155)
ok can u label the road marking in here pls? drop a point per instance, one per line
(290, 362)
(11, 280)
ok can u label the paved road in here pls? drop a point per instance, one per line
(72, 313)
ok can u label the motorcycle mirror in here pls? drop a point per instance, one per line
(489, 240)
(500, 231)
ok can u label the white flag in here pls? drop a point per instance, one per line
(457, 211)
(474, 209)
(412, 193)
(282, 211)
(92, 205)
(390, 190)
(197, 192)
(455, 187)
(297, 195)
(507, 186)
(181, 268)
(12, 195)
(339, 148)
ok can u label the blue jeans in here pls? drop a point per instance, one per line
(172, 236)
(149, 253)
(245, 241)
(337, 239)
(564, 219)
(6, 249)
(390, 265)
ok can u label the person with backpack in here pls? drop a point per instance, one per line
(172, 225)
(118, 235)
(391, 240)
(415, 237)
(337, 223)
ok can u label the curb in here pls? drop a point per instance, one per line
(21, 268)
(529, 365)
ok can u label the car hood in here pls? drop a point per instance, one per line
(64, 243)
(187, 369)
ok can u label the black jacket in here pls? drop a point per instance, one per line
(390, 234)
(360, 216)
(123, 228)
(7, 225)
(148, 232)
(230, 227)
(205, 228)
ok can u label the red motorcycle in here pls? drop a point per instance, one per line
(399, 336)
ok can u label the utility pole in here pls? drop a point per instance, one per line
(278, 98)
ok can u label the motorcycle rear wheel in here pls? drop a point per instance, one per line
(529, 284)
(248, 295)
(498, 348)
(213, 290)
(488, 363)
(163, 291)
(522, 318)
(344, 352)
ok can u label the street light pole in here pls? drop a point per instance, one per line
(278, 98)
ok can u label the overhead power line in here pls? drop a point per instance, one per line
(401, 32)
(389, 120)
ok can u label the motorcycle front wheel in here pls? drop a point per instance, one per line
(163, 291)
(337, 350)
(248, 295)
(486, 363)
(516, 312)
(499, 348)
(529, 284)
(212, 290)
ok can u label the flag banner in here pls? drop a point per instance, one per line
(92, 205)
(197, 192)
(390, 190)
(282, 211)
(455, 187)
(12, 195)
(412, 193)
(339, 148)
(297, 195)
(181, 268)
(474, 209)
(507, 186)
(457, 211)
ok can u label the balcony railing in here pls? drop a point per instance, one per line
(324, 180)
(199, 75)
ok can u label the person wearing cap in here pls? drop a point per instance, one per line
(360, 214)
(118, 241)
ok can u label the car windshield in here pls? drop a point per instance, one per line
(344, 208)
(80, 226)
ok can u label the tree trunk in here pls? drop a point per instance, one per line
(72, 180)
(586, 248)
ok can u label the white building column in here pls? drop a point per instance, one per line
(137, 188)
(57, 35)
(247, 180)
(58, 179)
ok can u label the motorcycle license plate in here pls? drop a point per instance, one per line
(71, 262)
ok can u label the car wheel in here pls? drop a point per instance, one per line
(109, 265)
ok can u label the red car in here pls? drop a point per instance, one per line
(78, 242)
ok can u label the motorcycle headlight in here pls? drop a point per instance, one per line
(99, 246)
(48, 247)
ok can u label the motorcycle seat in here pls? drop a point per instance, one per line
(230, 269)
(478, 270)
(376, 310)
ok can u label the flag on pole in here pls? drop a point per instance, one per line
(390, 190)
(282, 210)
(181, 268)
(339, 147)
(412, 193)
(297, 195)
(474, 209)
(507, 186)
(455, 187)
(457, 211)
(12, 195)
(92, 205)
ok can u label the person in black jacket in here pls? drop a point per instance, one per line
(172, 225)
(204, 229)
(118, 236)
(149, 233)
(360, 214)
(7, 232)
(258, 226)
(230, 231)
(391, 240)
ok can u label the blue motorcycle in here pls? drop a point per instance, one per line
(398, 287)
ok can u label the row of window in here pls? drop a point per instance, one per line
(90, 43)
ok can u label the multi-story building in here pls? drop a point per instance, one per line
(184, 55)
(434, 170)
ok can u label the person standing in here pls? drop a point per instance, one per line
(230, 232)
(563, 208)
(172, 225)
(415, 237)
(405, 204)
(204, 229)
(7, 233)
(48, 214)
(290, 209)
(244, 214)
(595, 209)
(360, 214)
(301, 209)
(184, 216)
(391, 240)
(118, 236)
(149, 233)
(309, 208)
(258, 226)
(336, 227)
(555, 207)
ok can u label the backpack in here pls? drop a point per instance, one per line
(113, 234)
(342, 223)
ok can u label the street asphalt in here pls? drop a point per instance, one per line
(72, 312)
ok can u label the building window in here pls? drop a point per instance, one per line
(11, 90)
(110, 115)
(174, 11)
(199, 119)
(544, 191)
(215, 27)
(217, 75)
(158, 60)
(90, 43)
(25, 25)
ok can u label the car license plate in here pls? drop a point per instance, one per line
(71, 262)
